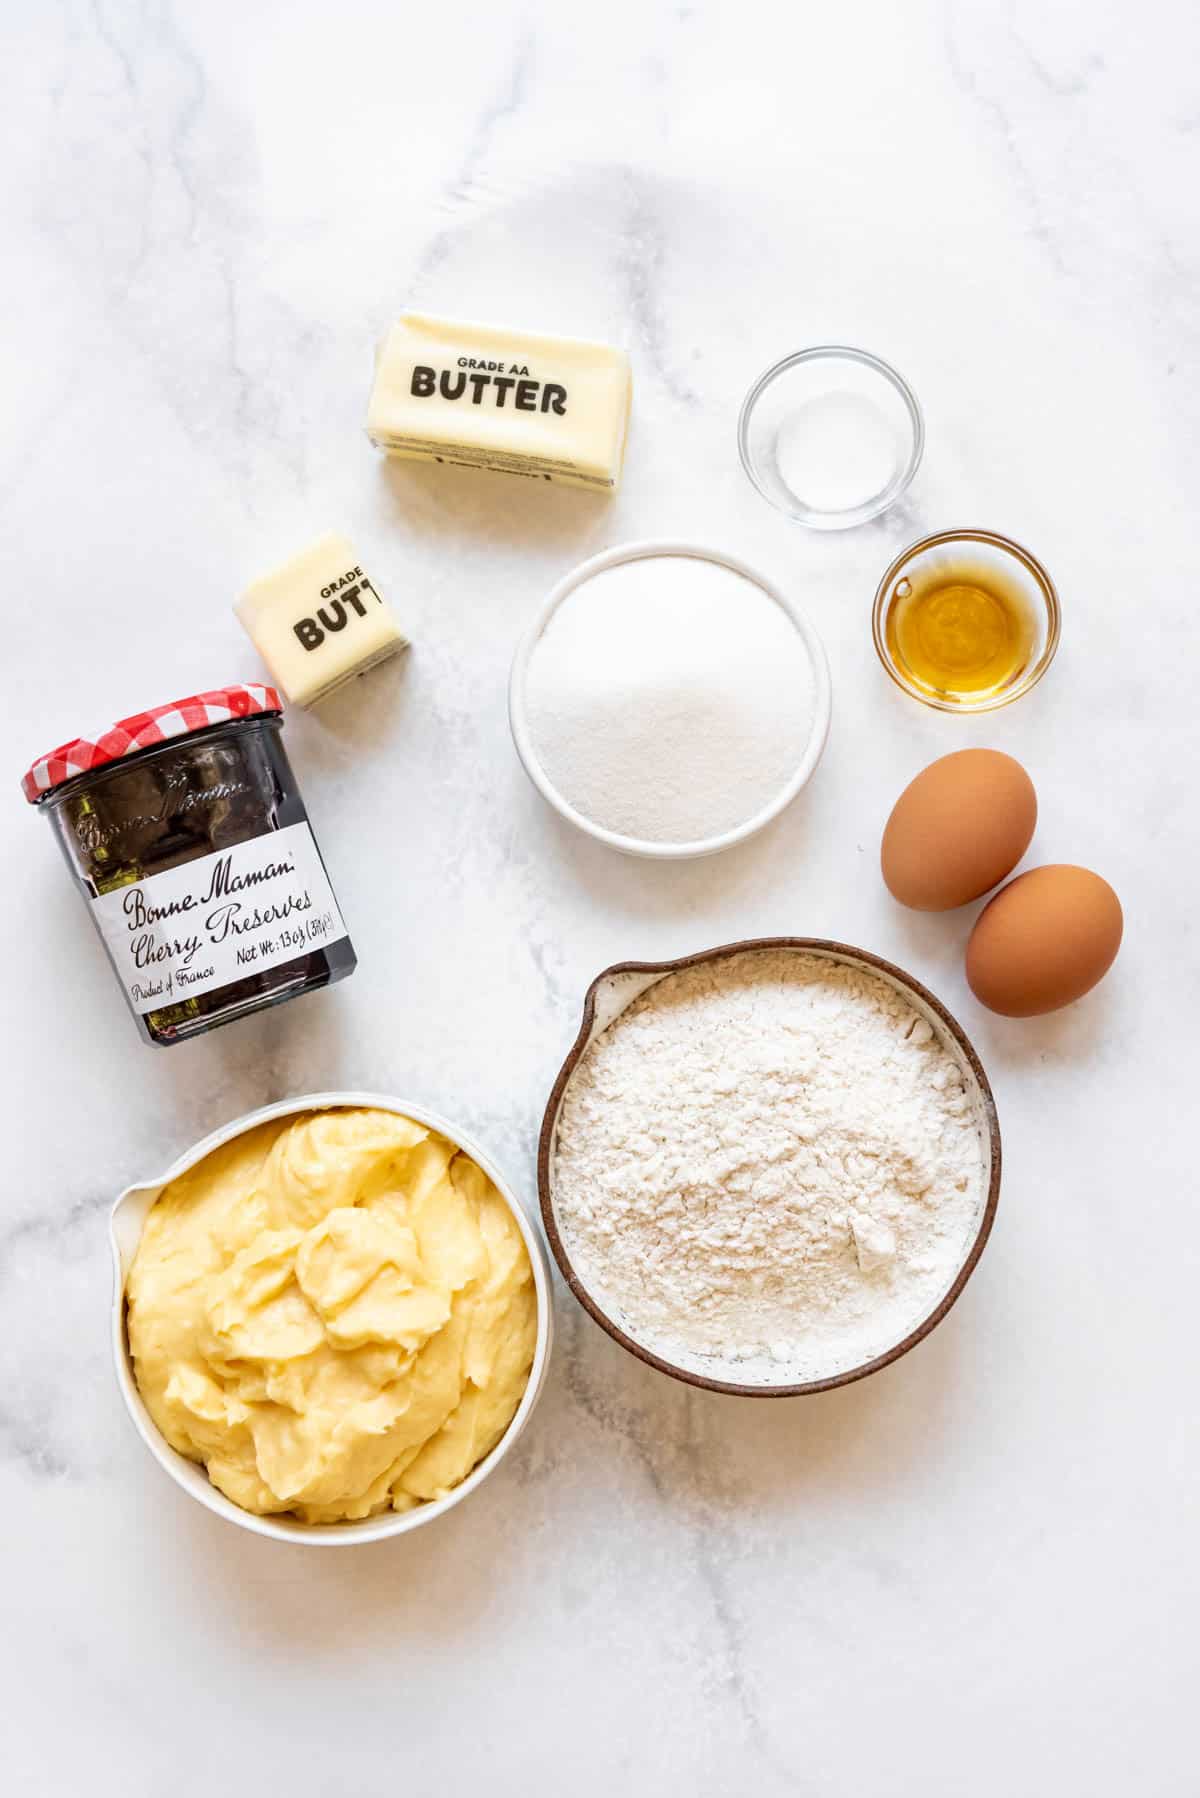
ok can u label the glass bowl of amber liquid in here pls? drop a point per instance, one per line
(966, 621)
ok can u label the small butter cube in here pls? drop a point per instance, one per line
(318, 621)
(548, 408)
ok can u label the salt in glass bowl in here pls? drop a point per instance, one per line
(832, 436)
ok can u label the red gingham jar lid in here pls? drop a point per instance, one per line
(84, 754)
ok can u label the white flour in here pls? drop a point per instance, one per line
(669, 699)
(768, 1169)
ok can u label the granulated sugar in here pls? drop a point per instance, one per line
(768, 1169)
(669, 699)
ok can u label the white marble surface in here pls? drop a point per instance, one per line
(976, 1572)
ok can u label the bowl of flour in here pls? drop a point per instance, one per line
(771, 1168)
(669, 700)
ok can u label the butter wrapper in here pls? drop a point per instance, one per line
(482, 396)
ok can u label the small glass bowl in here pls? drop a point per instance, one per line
(832, 436)
(1019, 567)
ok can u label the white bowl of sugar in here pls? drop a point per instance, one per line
(669, 700)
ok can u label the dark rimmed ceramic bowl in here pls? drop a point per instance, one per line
(613, 991)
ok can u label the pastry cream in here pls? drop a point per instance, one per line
(334, 1313)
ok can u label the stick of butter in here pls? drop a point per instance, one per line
(318, 621)
(554, 408)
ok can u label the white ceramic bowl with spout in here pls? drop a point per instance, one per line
(125, 1232)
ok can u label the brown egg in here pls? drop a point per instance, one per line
(1043, 941)
(958, 829)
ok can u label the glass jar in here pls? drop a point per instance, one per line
(186, 833)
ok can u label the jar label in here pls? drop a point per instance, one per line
(219, 919)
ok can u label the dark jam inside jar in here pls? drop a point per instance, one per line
(165, 807)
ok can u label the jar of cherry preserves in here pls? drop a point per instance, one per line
(184, 829)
